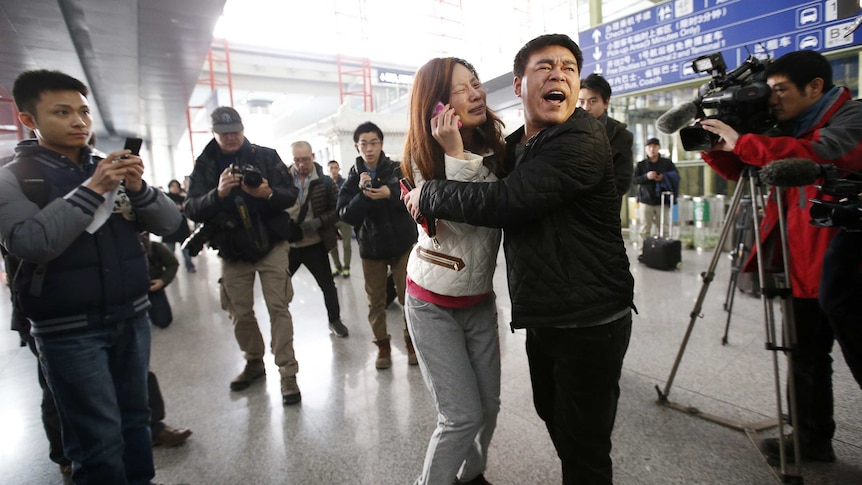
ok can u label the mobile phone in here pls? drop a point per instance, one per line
(133, 144)
(438, 108)
(406, 186)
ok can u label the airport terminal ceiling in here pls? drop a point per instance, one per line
(143, 59)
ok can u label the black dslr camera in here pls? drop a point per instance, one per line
(740, 98)
(846, 212)
(249, 175)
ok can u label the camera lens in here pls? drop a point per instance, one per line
(368, 185)
(252, 179)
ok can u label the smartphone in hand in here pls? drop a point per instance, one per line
(438, 108)
(133, 144)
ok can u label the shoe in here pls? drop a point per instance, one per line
(345, 272)
(290, 394)
(338, 329)
(170, 437)
(336, 272)
(411, 353)
(809, 451)
(479, 480)
(253, 370)
(384, 354)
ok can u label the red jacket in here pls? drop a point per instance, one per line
(835, 136)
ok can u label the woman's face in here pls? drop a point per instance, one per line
(174, 188)
(467, 97)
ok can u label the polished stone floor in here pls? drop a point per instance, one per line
(359, 425)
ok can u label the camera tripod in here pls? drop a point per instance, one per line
(741, 245)
(749, 183)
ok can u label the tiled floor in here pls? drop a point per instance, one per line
(362, 426)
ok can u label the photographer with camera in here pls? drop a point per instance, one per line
(653, 176)
(239, 192)
(820, 122)
(370, 201)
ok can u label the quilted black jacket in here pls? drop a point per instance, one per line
(566, 259)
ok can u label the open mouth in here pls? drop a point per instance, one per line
(480, 110)
(555, 96)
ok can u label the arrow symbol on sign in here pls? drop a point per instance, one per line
(596, 36)
(598, 69)
(597, 54)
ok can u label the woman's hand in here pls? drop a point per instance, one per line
(444, 129)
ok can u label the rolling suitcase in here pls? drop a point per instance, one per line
(661, 252)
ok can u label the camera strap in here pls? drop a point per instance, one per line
(256, 237)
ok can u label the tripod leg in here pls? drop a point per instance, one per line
(707, 278)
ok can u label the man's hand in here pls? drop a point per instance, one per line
(378, 193)
(227, 181)
(728, 136)
(651, 175)
(134, 172)
(156, 285)
(111, 170)
(262, 191)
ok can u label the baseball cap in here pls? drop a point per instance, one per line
(226, 120)
(653, 141)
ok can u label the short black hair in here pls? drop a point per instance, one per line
(30, 85)
(801, 67)
(540, 42)
(367, 127)
(331, 162)
(595, 82)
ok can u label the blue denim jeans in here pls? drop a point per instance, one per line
(99, 380)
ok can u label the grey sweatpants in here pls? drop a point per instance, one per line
(459, 355)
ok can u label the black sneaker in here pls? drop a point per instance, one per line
(809, 451)
(338, 329)
(479, 480)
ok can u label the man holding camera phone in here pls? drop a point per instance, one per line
(72, 222)
(818, 121)
(370, 201)
(240, 191)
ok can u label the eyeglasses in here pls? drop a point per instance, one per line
(302, 159)
(372, 143)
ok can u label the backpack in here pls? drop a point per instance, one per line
(36, 189)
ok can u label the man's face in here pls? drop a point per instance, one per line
(787, 101)
(334, 170)
(62, 121)
(229, 142)
(592, 102)
(467, 97)
(303, 160)
(652, 151)
(548, 88)
(369, 147)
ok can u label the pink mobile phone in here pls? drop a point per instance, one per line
(438, 108)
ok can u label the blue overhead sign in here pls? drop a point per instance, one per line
(656, 46)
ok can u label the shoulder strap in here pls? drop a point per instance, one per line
(32, 183)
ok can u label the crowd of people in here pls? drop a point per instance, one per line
(89, 282)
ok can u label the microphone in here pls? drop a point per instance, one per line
(792, 172)
(676, 118)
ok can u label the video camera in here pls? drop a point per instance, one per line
(740, 98)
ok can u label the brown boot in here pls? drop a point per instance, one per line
(411, 352)
(253, 370)
(384, 354)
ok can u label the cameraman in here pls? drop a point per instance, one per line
(817, 121)
(240, 192)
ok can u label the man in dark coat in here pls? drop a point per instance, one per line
(594, 97)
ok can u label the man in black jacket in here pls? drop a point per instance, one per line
(567, 267)
(655, 175)
(594, 97)
(240, 192)
(368, 200)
